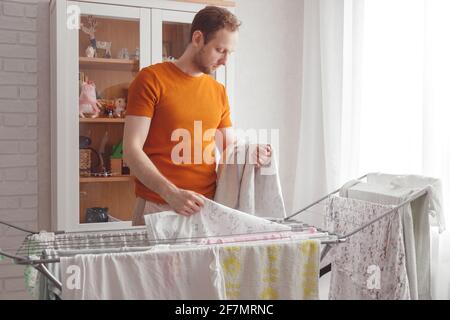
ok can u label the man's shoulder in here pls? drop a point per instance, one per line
(153, 73)
(154, 68)
(213, 82)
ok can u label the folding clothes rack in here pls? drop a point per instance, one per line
(34, 252)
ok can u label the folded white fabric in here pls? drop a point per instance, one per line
(213, 220)
(416, 182)
(244, 187)
(158, 274)
(343, 192)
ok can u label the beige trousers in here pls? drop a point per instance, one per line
(143, 207)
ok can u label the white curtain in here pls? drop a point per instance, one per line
(376, 98)
(318, 155)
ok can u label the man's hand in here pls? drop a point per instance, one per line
(261, 155)
(184, 202)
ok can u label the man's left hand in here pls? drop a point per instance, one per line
(262, 155)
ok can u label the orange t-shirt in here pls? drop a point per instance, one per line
(175, 100)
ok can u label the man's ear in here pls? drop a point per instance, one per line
(197, 38)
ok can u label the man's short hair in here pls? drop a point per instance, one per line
(211, 19)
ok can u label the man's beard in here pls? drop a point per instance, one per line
(198, 63)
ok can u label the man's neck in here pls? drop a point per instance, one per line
(185, 64)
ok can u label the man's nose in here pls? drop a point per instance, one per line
(223, 61)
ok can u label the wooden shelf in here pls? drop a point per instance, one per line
(102, 120)
(110, 64)
(121, 178)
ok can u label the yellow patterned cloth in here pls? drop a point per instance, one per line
(271, 271)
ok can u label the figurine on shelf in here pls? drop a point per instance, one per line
(109, 108)
(90, 52)
(88, 104)
(119, 107)
(104, 49)
(123, 54)
(89, 28)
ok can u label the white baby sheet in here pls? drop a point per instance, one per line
(271, 271)
(180, 274)
(213, 220)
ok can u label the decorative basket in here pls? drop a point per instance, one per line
(85, 162)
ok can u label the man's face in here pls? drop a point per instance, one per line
(216, 52)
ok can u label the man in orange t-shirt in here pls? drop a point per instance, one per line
(176, 115)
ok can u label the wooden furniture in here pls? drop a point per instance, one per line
(159, 29)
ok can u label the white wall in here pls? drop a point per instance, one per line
(269, 76)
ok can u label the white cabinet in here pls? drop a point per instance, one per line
(87, 173)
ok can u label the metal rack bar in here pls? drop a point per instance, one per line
(409, 200)
(16, 227)
(42, 268)
(321, 199)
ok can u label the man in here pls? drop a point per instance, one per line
(170, 97)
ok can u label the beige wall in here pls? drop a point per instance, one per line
(269, 76)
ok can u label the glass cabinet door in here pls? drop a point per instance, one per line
(175, 39)
(109, 58)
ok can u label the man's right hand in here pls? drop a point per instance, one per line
(184, 202)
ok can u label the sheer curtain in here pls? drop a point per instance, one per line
(376, 98)
(319, 146)
(405, 110)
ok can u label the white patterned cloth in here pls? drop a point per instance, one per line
(244, 187)
(155, 274)
(372, 263)
(213, 220)
(416, 231)
(282, 270)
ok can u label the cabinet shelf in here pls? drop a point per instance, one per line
(102, 120)
(119, 178)
(110, 64)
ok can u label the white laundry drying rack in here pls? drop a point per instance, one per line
(137, 239)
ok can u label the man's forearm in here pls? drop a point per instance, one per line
(147, 173)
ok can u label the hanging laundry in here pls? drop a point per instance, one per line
(372, 263)
(288, 270)
(155, 274)
(416, 230)
(213, 220)
(244, 187)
